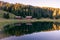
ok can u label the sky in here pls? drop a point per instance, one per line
(40, 3)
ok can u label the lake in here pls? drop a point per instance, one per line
(31, 31)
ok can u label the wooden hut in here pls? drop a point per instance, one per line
(28, 17)
(18, 17)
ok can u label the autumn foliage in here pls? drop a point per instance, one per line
(28, 10)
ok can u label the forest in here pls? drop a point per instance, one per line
(29, 10)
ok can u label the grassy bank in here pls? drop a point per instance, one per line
(4, 22)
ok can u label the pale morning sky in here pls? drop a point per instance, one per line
(48, 3)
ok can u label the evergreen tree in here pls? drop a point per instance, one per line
(6, 15)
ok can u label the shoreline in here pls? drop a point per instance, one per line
(4, 22)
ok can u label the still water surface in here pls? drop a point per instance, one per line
(32, 31)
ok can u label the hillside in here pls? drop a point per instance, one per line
(10, 14)
(29, 10)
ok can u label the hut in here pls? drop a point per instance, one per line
(18, 17)
(28, 17)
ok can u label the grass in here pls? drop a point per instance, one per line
(4, 22)
(10, 14)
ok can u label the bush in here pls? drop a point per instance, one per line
(6, 15)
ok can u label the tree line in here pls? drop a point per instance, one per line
(28, 10)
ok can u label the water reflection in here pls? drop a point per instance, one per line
(51, 35)
(27, 28)
(36, 31)
(56, 26)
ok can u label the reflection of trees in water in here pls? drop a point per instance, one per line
(14, 29)
(56, 26)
